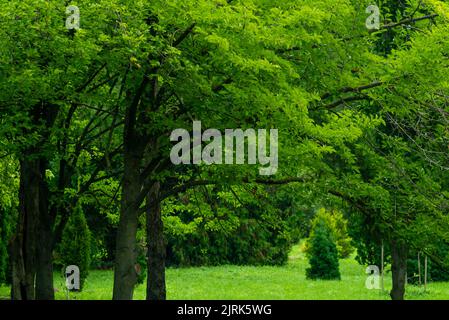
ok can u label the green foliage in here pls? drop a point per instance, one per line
(8, 212)
(75, 247)
(367, 241)
(251, 64)
(395, 188)
(337, 223)
(323, 254)
(103, 240)
(437, 266)
(251, 243)
(244, 233)
(3, 247)
(439, 270)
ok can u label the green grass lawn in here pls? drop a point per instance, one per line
(254, 283)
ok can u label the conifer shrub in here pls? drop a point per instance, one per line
(75, 244)
(339, 229)
(323, 254)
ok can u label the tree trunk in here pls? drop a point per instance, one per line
(17, 264)
(156, 289)
(399, 269)
(44, 273)
(24, 244)
(125, 276)
(31, 248)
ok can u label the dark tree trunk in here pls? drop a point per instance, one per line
(156, 248)
(399, 269)
(31, 248)
(24, 244)
(125, 275)
(17, 268)
(44, 273)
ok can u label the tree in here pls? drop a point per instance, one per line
(45, 103)
(323, 253)
(252, 69)
(396, 180)
(75, 247)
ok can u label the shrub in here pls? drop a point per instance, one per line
(103, 243)
(250, 243)
(75, 244)
(323, 255)
(339, 229)
(247, 233)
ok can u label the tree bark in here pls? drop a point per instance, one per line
(32, 246)
(24, 249)
(156, 289)
(44, 273)
(125, 276)
(399, 269)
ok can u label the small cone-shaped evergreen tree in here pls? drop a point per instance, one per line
(323, 254)
(75, 244)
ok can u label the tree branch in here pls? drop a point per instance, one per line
(405, 21)
(184, 187)
(343, 100)
(84, 86)
(354, 89)
(184, 35)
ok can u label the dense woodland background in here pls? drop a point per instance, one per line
(86, 116)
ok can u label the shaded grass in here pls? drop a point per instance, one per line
(255, 283)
